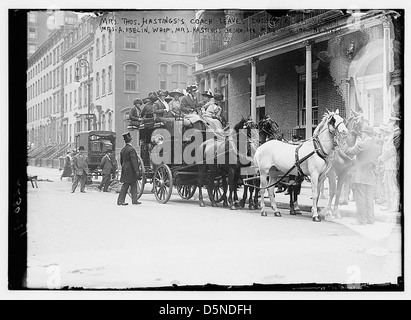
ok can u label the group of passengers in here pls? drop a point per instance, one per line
(167, 106)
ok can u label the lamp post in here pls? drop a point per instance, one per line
(84, 63)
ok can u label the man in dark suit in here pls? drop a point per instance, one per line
(189, 102)
(107, 165)
(129, 172)
(366, 151)
(148, 109)
(80, 166)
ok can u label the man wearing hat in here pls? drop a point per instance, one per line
(161, 107)
(80, 166)
(148, 109)
(107, 165)
(390, 162)
(135, 112)
(129, 171)
(207, 96)
(189, 102)
(366, 151)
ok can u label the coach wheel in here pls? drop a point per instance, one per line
(141, 177)
(186, 191)
(163, 183)
(218, 190)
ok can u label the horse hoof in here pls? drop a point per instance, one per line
(263, 214)
(277, 214)
(251, 207)
(316, 219)
(214, 205)
(202, 204)
(292, 212)
(242, 204)
(233, 207)
(297, 212)
(225, 204)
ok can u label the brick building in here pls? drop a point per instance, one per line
(258, 61)
(118, 67)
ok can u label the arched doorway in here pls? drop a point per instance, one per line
(374, 97)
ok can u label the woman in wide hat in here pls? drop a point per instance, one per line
(175, 103)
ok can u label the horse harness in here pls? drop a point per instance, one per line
(318, 149)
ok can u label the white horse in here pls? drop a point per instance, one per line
(276, 158)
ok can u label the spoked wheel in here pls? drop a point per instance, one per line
(218, 190)
(163, 183)
(186, 191)
(141, 177)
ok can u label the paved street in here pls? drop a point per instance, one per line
(86, 240)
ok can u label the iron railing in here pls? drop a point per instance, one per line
(250, 28)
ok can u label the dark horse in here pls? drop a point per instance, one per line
(267, 130)
(339, 173)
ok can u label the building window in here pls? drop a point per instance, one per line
(302, 101)
(97, 85)
(71, 100)
(103, 44)
(130, 43)
(110, 41)
(103, 82)
(163, 42)
(97, 48)
(32, 17)
(65, 77)
(75, 99)
(103, 122)
(130, 77)
(32, 33)
(71, 74)
(90, 54)
(66, 102)
(110, 79)
(179, 75)
(31, 48)
(163, 76)
(79, 96)
(110, 122)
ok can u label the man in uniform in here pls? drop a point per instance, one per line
(366, 151)
(129, 171)
(80, 168)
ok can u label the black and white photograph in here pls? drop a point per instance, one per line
(228, 149)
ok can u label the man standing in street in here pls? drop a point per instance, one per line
(129, 171)
(107, 166)
(80, 166)
(366, 151)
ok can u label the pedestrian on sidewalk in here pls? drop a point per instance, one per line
(388, 159)
(129, 171)
(108, 165)
(366, 151)
(67, 170)
(80, 164)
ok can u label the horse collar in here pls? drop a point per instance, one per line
(319, 149)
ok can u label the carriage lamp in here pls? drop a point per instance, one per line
(157, 139)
